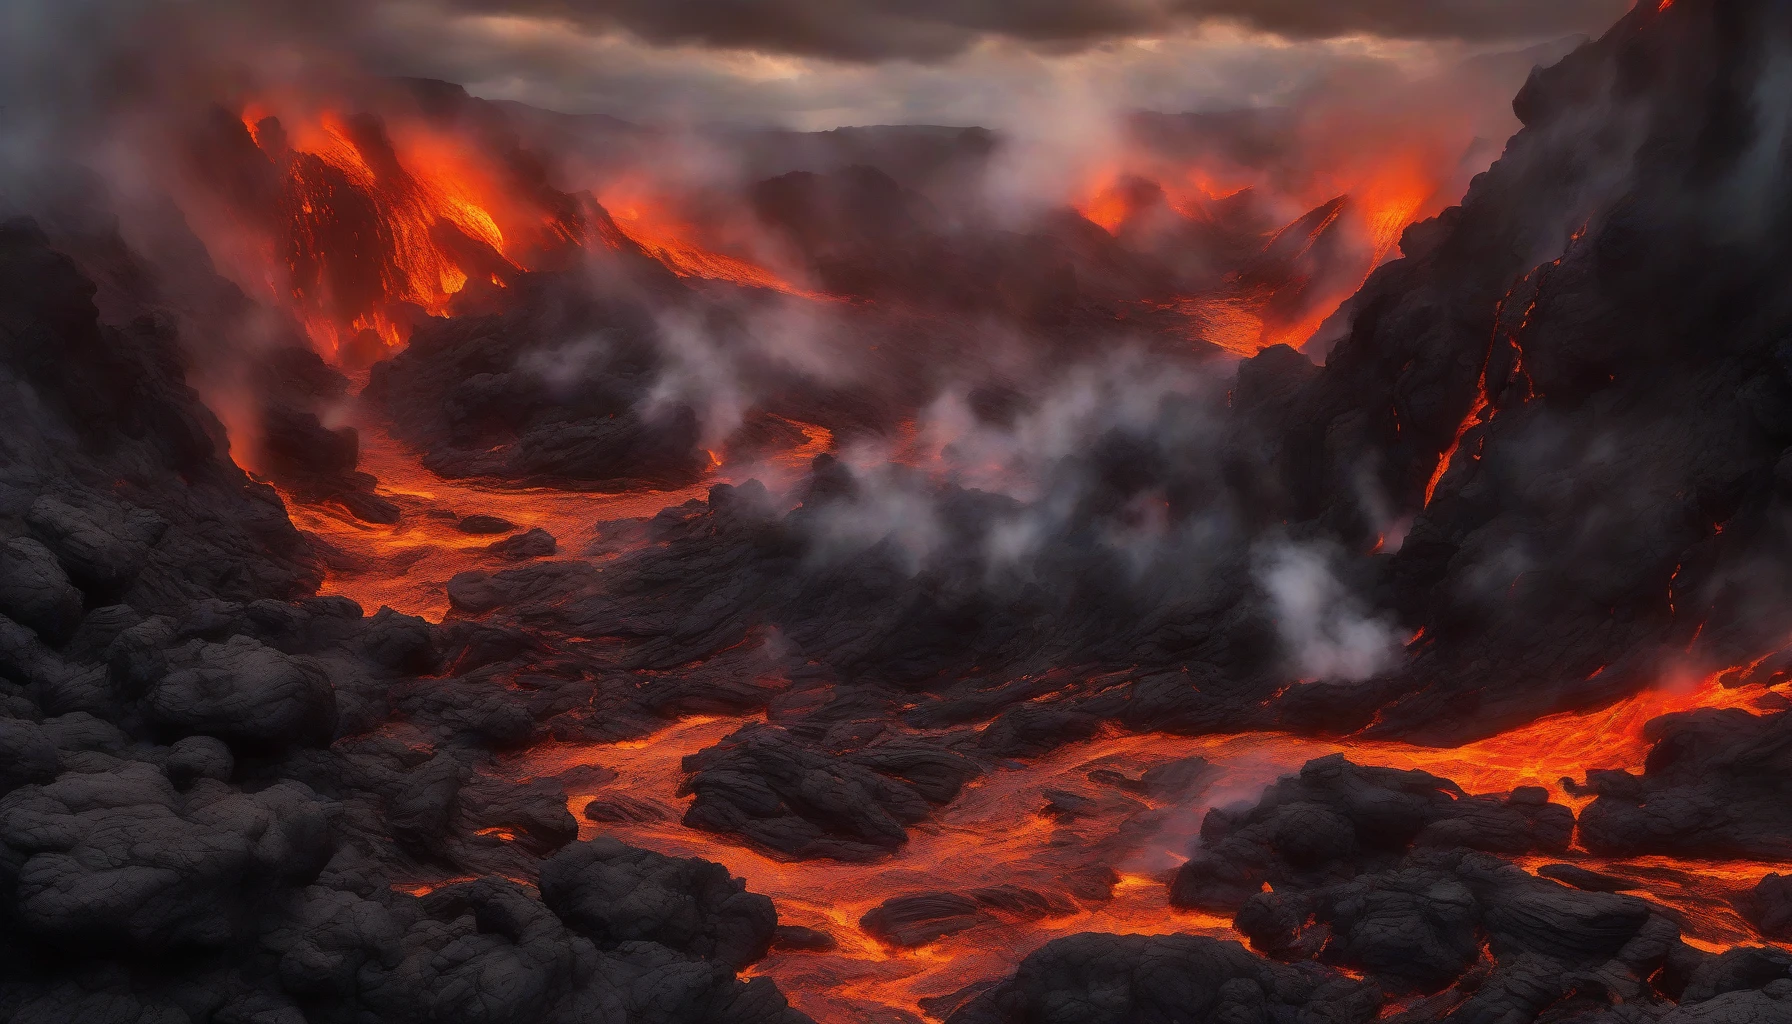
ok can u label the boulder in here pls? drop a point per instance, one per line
(244, 693)
(616, 894)
(34, 590)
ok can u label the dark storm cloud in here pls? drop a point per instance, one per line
(932, 29)
(801, 63)
(1471, 20)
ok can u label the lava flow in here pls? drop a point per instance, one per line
(361, 224)
(1104, 869)
(1300, 249)
(375, 221)
(406, 565)
(651, 221)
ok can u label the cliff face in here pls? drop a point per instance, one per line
(1577, 385)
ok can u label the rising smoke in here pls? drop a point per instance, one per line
(1047, 443)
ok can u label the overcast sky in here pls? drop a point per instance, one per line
(825, 63)
(804, 63)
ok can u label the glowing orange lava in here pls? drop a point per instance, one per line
(1537, 278)
(379, 221)
(406, 566)
(996, 833)
(1475, 409)
(993, 835)
(1383, 198)
(651, 221)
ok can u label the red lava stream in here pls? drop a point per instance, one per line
(995, 833)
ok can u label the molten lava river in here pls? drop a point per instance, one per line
(995, 833)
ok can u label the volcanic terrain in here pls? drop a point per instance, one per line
(451, 573)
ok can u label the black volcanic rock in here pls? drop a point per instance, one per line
(297, 446)
(196, 758)
(1768, 907)
(1712, 786)
(1337, 816)
(1455, 933)
(27, 754)
(1594, 344)
(536, 543)
(488, 951)
(1591, 881)
(1135, 979)
(920, 918)
(119, 859)
(479, 525)
(243, 692)
(102, 553)
(615, 894)
(297, 390)
(173, 522)
(864, 235)
(768, 788)
(36, 592)
(152, 594)
(551, 391)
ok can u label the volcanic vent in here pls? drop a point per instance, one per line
(1237, 587)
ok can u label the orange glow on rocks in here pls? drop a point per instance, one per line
(406, 566)
(379, 221)
(653, 222)
(1355, 210)
(1104, 871)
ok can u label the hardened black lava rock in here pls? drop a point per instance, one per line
(553, 390)
(770, 789)
(1336, 819)
(1714, 785)
(1136, 979)
(613, 894)
(213, 786)
(1368, 912)
(1371, 871)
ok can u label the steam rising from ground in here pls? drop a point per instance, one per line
(1328, 631)
(1397, 128)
